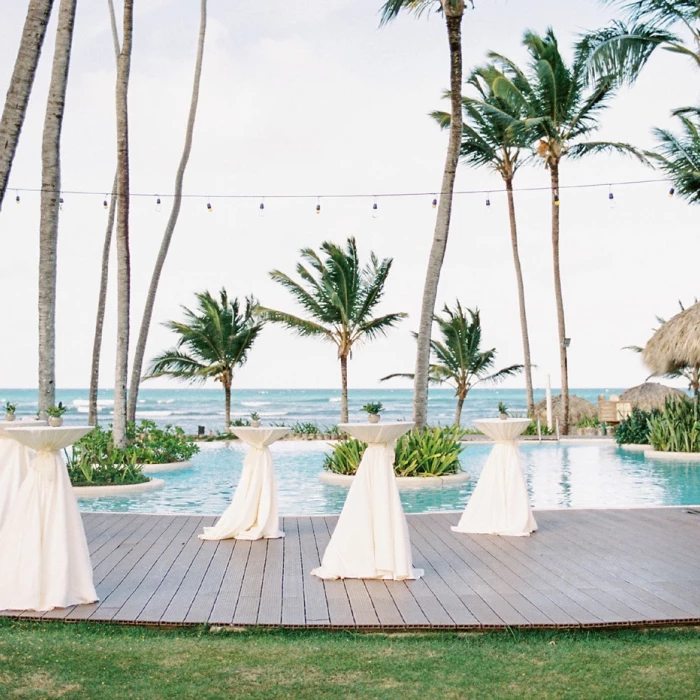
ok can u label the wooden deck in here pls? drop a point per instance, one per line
(582, 568)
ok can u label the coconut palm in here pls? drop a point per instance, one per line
(459, 360)
(340, 297)
(50, 204)
(213, 342)
(170, 226)
(622, 49)
(21, 83)
(453, 11)
(122, 230)
(104, 271)
(487, 142)
(561, 113)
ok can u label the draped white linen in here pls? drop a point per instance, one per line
(14, 457)
(500, 504)
(371, 538)
(252, 514)
(43, 551)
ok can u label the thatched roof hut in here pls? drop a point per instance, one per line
(676, 344)
(578, 408)
(650, 395)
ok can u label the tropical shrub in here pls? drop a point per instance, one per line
(677, 427)
(154, 445)
(301, 428)
(431, 452)
(588, 422)
(532, 429)
(634, 430)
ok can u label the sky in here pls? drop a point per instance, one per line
(315, 99)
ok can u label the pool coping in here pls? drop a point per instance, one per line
(165, 467)
(402, 481)
(117, 490)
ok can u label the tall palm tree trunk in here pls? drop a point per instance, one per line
(101, 304)
(122, 237)
(521, 298)
(561, 326)
(104, 275)
(170, 228)
(453, 17)
(344, 389)
(50, 203)
(458, 412)
(21, 82)
(227, 394)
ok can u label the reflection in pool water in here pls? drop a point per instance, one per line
(558, 476)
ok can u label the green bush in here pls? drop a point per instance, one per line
(300, 428)
(94, 459)
(432, 452)
(677, 427)
(588, 422)
(634, 430)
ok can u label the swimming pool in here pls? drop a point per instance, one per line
(559, 475)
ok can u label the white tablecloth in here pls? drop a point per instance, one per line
(44, 556)
(253, 510)
(500, 504)
(371, 538)
(14, 457)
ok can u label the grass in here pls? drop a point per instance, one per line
(39, 660)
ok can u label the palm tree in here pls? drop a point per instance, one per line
(622, 49)
(561, 112)
(50, 203)
(459, 360)
(122, 237)
(170, 227)
(487, 142)
(104, 272)
(213, 342)
(21, 83)
(339, 295)
(453, 11)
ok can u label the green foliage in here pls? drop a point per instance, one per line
(588, 422)
(57, 411)
(502, 408)
(240, 423)
(634, 430)
(301, 428)
(532, 429)
(679, 155)
(94, 459)
(677, 427)
(10, 408)
(431, 452)
(254, 416)
(373, 408)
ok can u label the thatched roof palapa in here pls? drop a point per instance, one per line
(676, 344)
(578, 408)
(650, 395)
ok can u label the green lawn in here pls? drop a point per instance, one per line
(102, 661)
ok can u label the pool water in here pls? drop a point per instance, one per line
(559, 475)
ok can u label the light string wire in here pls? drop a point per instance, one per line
(374, 195)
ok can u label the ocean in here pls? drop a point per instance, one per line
(190, 408)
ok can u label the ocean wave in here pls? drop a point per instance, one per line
(165, 401)
(254, 404)
(153, 414)
(263, 414)
(334, 399)
(101, 403)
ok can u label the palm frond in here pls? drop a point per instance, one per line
(403, 375)
(503, 374)
(299, 325)
(587, 148)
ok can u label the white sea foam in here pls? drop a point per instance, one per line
(253, 404)
(154, 414)
(165, 400)
(334, 399)
(101, 403)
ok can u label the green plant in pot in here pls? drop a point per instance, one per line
(55, 414)
(373, 411)
(255, 419)
(10, 409)
(502, 410)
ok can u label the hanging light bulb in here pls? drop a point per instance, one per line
(209, 209)
(671, 192)
(157, 203)
(488, 199)
(60, 202)
(556, 199)
(318, 206)
(375, 209)
(104, 203)
(17, 198)
(262, 206)
(611, 196)
(434, 202)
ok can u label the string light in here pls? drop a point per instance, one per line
(17, 198)
(434, 202)
(318, 205)
(60, 203)
(611, 196)
(488, 199)
(671, 192)
(157, 203)
(209, 209)
(556, 199)
(375, 209)
(262, 207)
(104, 203)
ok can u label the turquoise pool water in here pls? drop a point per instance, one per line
(558, 476)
